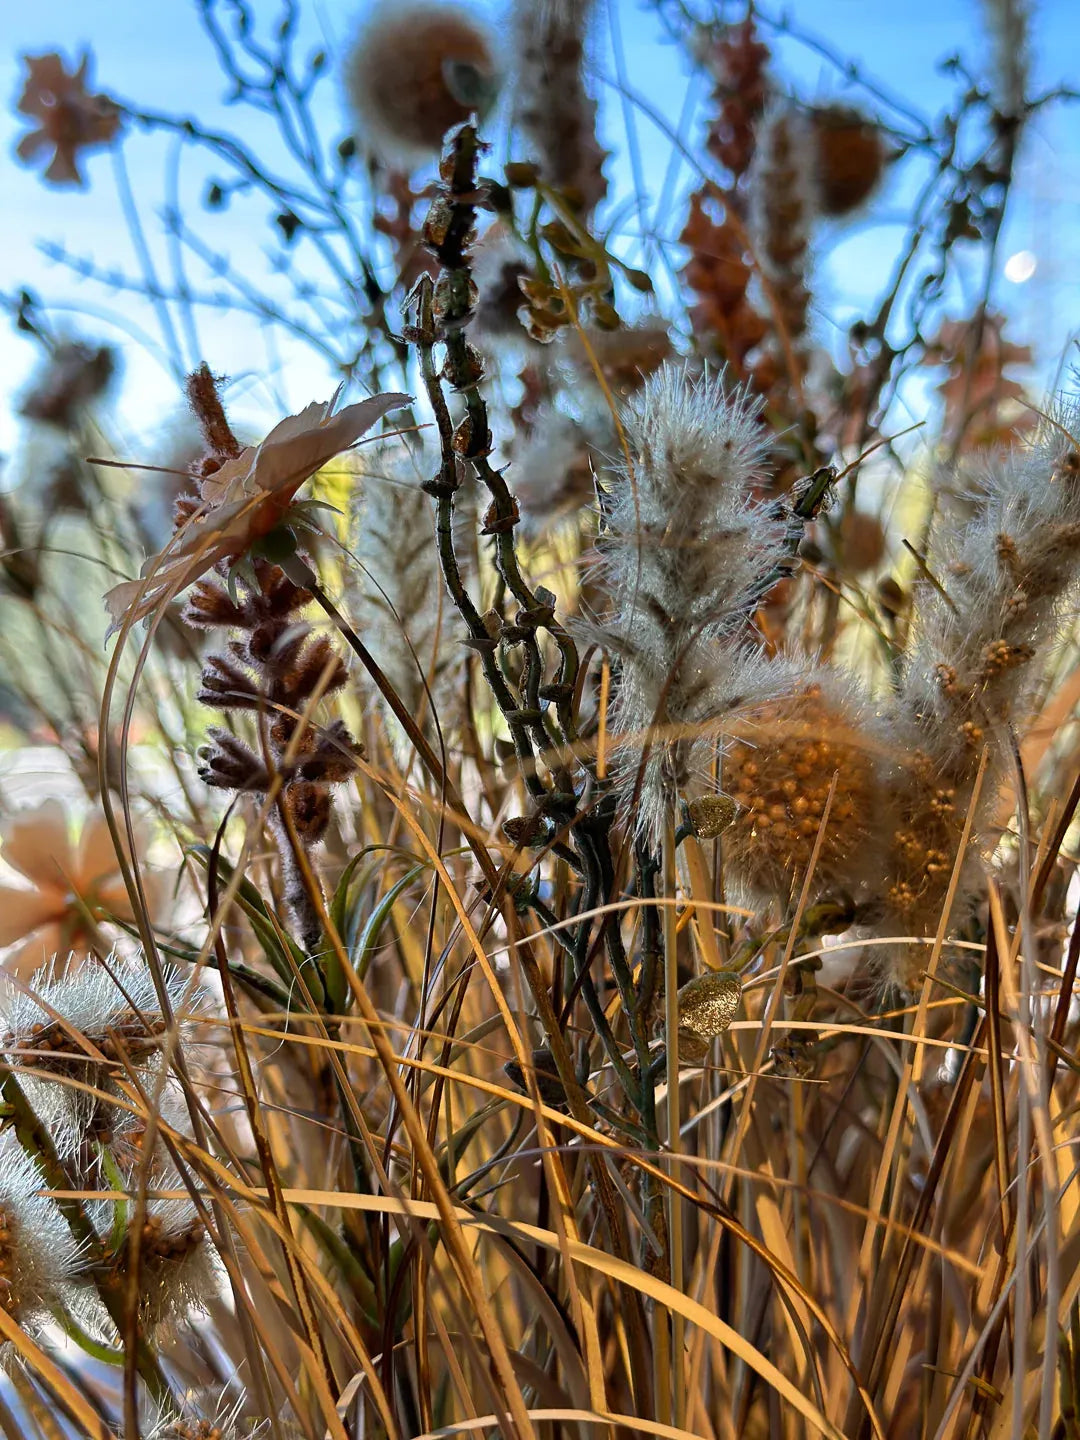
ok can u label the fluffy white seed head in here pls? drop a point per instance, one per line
(38, 1257)
(77, 1031)
(179, 1270)
(685, 555)
(1007, 561)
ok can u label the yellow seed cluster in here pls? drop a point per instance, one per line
(199, 1430)
(161, 1246)
(780, 776)
(924, 848)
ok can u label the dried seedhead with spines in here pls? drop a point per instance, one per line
(275, 672)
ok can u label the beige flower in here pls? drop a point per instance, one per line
(245, 499)
(67, 879)
(69, 118)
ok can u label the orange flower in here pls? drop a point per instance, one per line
(70, 118)
(245, 499)
(68, 879)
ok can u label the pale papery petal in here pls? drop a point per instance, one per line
(293, 451)
(290, 454)
(37, 843)
(96, 859)
(24, 911)
(235, 474)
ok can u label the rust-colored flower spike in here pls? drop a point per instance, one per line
(779, 770)
(70, 119)
(718, 270)
(413, 72)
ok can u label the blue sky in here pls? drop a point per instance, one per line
(157, 54)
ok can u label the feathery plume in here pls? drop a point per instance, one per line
(1003, 568)
(90, 1026)
(684, 554)
(408, 618)
(552, 107)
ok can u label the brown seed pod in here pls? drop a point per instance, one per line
(852, 156)
(413, 73)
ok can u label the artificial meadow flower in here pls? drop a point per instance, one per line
(246, 498)
(68, 880)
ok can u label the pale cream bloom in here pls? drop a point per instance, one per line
(67, 878)
(245, 499)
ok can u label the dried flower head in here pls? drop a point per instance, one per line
(69, 118)
(179, 1272)
(38, 1257)
(244, 499)
(851, 156)
(779, 768)
(1006, 565)
(73, 884)
(415, 71)
(74, 375)
(91, 1026)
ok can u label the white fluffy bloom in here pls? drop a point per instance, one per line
(52, 1031)
(686, 554)
(38, 1256)
(179, 1269)
(1007, 564)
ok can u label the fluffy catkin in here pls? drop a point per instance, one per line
(1007, 565)
(684, 555)
(413, 72)
(408, 618)
(178, 1266)
(552, 107)
(1009, 23)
